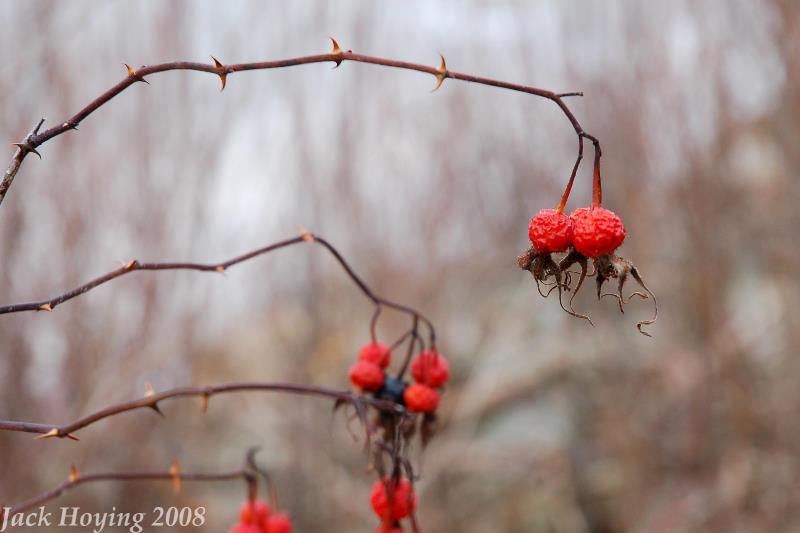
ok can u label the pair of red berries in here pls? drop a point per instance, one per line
(255, 517)
(430, 370)
(593, 231)
(403, 501)
(367, 373)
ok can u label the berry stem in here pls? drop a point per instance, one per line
(374, 322)
(597, 188)
(565, 196)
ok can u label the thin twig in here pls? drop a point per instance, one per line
(151, 401)
(76, 479)
(133, 266)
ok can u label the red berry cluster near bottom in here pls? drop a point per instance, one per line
(255, 517)
(395, 504)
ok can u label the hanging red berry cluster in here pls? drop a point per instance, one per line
(255, 517)
(591, 232)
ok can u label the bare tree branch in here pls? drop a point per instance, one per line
(337, 55)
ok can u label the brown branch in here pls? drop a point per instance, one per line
(16, 161)
(133, 266)
(337, 55)
(151, 401)
(173, 475)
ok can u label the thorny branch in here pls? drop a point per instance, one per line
(337, 55)
(152, 399)
(174, 475)
(134, 265)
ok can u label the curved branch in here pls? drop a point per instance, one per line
(76, 479)
(336, 56)
(152, 399)
(133, 266)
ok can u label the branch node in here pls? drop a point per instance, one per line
(220, 68)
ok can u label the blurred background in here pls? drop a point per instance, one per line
(548, 424)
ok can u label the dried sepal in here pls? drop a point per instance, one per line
(612, 266)
(559, 277)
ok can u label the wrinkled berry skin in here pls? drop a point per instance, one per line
(550, 231)
(376, 352)
(278, 523)
(430, 368)
(596, 231)
(254, 512)
(366, 375)
(421, 398)
(404, 499)
(392, 390)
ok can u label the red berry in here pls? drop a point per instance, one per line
(421, 398)
(404, 499)
(253, 512)
(278, 523)
(550, 231)
(246, 528)
(430, 368)
(597, 231)
(366, 376)
(376, 352)
(393, 530)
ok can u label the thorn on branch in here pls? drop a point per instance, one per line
(206, 396)
(73, 474)
(337, 52)
(26, 147)
(220, 68)
(442, 70)
(308, 237)
(148, 389)
(175, 471)
(46, 307)
(132, 74)
(52, 433)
